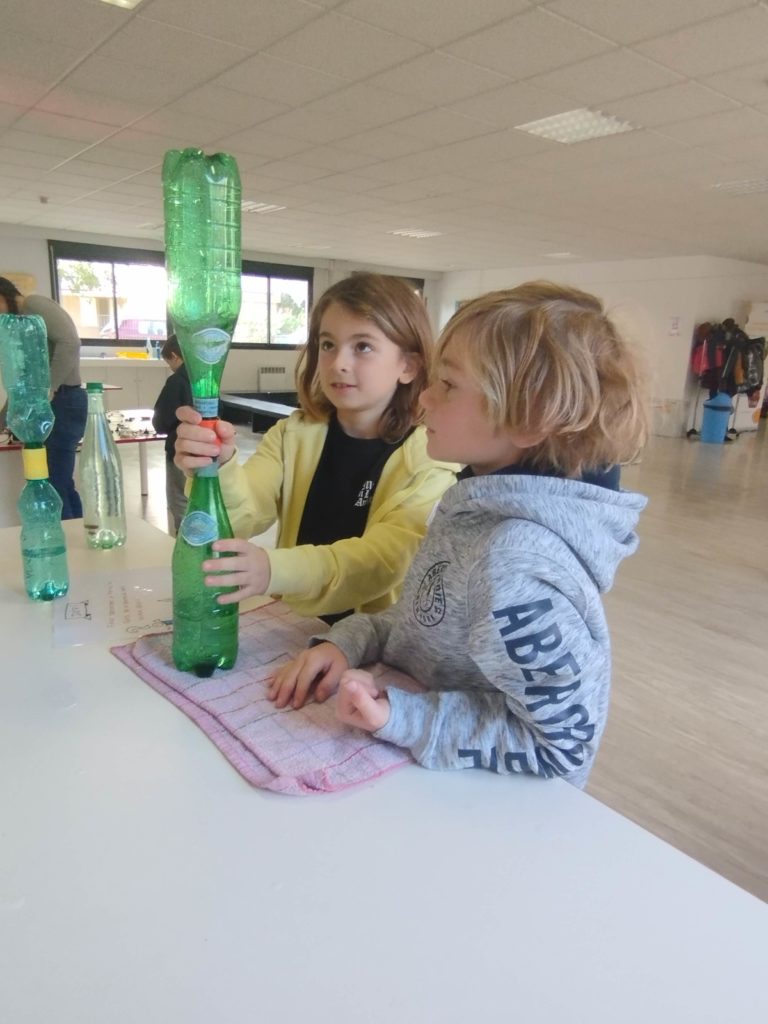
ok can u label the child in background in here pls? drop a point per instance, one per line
(347, 478)
(176, 392)
(500, 615)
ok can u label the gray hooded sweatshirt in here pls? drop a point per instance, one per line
(501, 620)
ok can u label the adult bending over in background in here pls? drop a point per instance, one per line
(69, 401)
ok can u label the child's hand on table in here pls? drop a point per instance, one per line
(360, 703)
(321, 666)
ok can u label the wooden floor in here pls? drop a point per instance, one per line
(685, 750)
(684, 754)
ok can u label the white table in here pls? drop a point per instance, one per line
(142, 881)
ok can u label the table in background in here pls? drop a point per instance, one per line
(143, 880)
(12, 475)
(140, 434)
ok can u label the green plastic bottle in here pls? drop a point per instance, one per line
(204, 631)
(203, 265)
(43, 547)
(202, 196)
(26, 376)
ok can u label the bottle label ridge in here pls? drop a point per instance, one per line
(198, 528)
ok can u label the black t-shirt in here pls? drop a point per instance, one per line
(342, 488)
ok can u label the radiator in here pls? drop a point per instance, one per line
(273, 378)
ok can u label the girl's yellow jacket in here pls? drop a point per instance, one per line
(362, 573)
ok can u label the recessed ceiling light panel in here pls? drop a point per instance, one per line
(415, 233)
(248, 206)
(742, 188)
(127, 5)
(576, 126)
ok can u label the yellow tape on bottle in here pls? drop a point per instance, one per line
(35, 463)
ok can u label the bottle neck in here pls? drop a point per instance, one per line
(35, 462)
(95, 402)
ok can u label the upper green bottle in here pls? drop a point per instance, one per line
(26, 376)
(202, 196)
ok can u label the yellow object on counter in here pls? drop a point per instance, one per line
(133, 355)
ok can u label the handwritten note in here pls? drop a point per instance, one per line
(110, 607)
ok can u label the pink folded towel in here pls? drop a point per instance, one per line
(297, 752)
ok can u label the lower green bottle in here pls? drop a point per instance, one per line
(204, 631)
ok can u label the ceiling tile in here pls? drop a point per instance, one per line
(83, 26)
(529, 44)
(715, 45)
(39, 60)
(330, 158)
(718, 128)
(118, 79)
(92, 106)
(200, 132)
(440, 126)
(9, 113)
(288, 171)
(149, 44)
(438, 78)
(676, 103)
(513, 104)
(364, 106)
(233, 109)
(347, 47)
(35, 143)
(382, 143)
(430, 21)
(607, 77)
(45, 123)
(235, 23)
(261, 143)
(280, 80)
(315, 129)
(748, 84)
(630, 22)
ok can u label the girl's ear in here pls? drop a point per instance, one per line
(412, 365)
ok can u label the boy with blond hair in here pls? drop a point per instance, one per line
(501, 617)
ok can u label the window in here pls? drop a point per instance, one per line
(117, 296)
(276, 303)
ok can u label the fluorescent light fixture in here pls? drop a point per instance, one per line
(415, 233)
(127, 5)
(560, 255)
(576, 126)
(248, 206)
(742, 188)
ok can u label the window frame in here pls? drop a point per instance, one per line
(89, 251)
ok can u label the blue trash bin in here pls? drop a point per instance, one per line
(714, 422)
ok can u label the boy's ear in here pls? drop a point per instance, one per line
(411, 368)
(525, 440)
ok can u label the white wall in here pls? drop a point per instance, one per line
(656, 302)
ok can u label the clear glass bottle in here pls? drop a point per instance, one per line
(101, 478)
(26, 376)
(204, 631)
(43, 547)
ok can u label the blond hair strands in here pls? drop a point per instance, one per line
(550, 363)
(394, 307)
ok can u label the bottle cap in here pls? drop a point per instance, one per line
(94, 386)
(35, 462)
